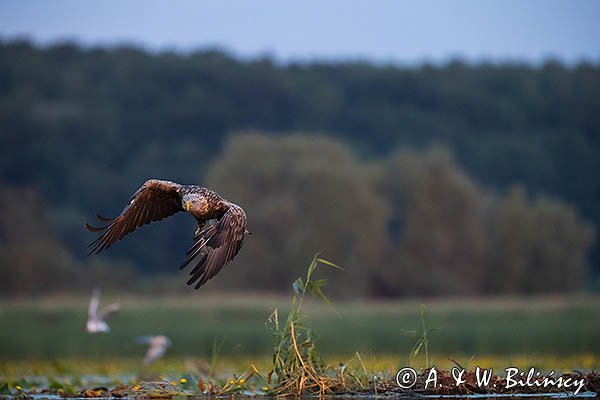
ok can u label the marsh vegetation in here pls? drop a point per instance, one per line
(223, 346)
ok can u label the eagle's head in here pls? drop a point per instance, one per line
(193, 201)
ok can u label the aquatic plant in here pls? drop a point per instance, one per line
(297, 364)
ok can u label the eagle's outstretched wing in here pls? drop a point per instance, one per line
(216, 245)
(153, 201)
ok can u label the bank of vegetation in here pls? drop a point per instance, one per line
(433, 180)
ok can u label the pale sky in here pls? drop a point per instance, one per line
(375, 30)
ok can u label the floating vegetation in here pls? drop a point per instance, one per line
(348, 379)
(296, 368)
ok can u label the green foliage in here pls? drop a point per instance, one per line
(301, 194)
(83, 128)
(297, 365)
(422, 340)
(538, 246)
(449, 236)
(214, 355)
(438, 243)
(31, 260)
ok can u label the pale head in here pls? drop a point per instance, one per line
(193, 202)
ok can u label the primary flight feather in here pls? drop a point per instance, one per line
(214, 245)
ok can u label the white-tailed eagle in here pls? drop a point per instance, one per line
(214, 245)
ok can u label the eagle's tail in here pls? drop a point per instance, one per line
(200, 240)
(216, 245)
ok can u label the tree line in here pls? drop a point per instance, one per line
(83, 128)
(413, 224)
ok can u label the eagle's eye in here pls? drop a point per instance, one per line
(189, 198)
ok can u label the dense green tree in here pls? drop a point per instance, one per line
(302, 195)
(537, 246)
(438, 231)
(32, 260)
(85, 127)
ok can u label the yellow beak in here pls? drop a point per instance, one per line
(188, 205)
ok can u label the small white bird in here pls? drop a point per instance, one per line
(158, 347)
(95, 322)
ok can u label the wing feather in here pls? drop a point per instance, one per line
(104, 219)
(110, 310)
(94, 304)
(95, 229)
(153, 201)
(216, 245)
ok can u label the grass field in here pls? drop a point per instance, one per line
(43, 343)
(54, 328)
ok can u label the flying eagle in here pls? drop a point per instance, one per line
(214, 245)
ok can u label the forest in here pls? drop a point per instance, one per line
(432, 180)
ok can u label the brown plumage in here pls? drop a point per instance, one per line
(214, 245)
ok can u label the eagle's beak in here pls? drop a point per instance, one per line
(188, 205)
